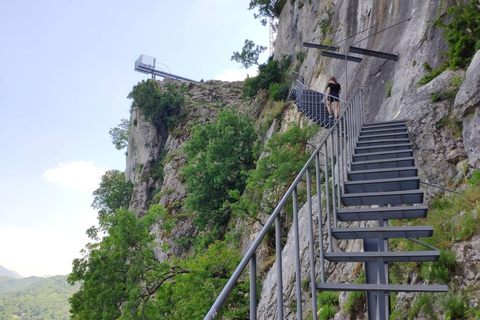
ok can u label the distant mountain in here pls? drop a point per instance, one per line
(9, 273)
(35, 298)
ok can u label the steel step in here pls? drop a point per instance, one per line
(383, 198)
(384, 136)
(389, 256)
(381, 142)
(383, 213)
(383, 164)
(389, 147)
(380, 287)
(381, 185)
(375, 124)
(389, 173)
(384, 232)
(364, 133)
(382, 155)
(385, 126)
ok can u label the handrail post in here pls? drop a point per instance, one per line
(298, 280)
(312, 245)
(253, 287)
(278, 247)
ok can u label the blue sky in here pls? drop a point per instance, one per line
(66, 68)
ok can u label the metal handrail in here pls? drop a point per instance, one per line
(337, 147)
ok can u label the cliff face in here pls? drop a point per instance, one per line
(446, 133)
(390, 87)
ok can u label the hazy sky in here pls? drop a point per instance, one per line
(66, 68)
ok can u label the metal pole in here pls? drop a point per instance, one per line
(298, 279)
(278, 247)
(320, 220)
(312, 244)
(327, 195)
(253, 287)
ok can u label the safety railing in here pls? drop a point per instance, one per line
(324, 173)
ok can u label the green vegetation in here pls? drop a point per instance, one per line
(267, 9)
(249, 55)
(160, 106)
(286, 155)
(35, 298)
(119, 134)
(389, 89)
(462, 32)
(454, 222)
(120, 277)
(220, 154)
(269, 73)
(448, 93)
(112, 194)
(327, 302)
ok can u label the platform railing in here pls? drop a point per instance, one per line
(324, 173)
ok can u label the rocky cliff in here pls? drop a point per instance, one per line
(446, 132)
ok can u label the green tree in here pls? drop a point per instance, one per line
(119, 274)
(267, 9)
(462, 32)
(112, 194)
(249, 55)
(286, 155)
(219, 157)
(270, 73)
(120, 277)
(158, 105)
(119, 134)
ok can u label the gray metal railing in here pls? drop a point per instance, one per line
(330, 162)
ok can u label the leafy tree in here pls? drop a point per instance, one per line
(157, 105)
(267, 9)
(219, 157)
(462, 33)
(119, 134)
(112, 194)
(269, 73)
(249, 55)
(286, 155)
(119, 275)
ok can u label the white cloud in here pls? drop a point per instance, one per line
(237, 75)
(78, 175)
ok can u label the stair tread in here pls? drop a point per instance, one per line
(381, 193)
(380, 287)
(382, 130)
(384, 146)
(389, 256)
(382, 160)
(381, 153)
(382, 142)
(383, 123)
(382, 135)
(381, 180)
(382, 170)
(384, 213)
(387, 232)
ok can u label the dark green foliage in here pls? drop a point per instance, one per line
(278, 91)
(112, 194)
(462, 32)
(121, 270)
(423, 303)
(286, 154)
(219, 157)
(271, 72)
(475, 179)
(160, 106)
(120, 277)
(432, 75)
(327, 304)
(119, 134)
(442, 270)
(267, 9)
(35, 298)
(249, 55)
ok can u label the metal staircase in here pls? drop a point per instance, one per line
(356, 166)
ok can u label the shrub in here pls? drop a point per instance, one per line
(271, 72)
(441, 270)
(462, 32)
(278, 91)
(327, 312)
